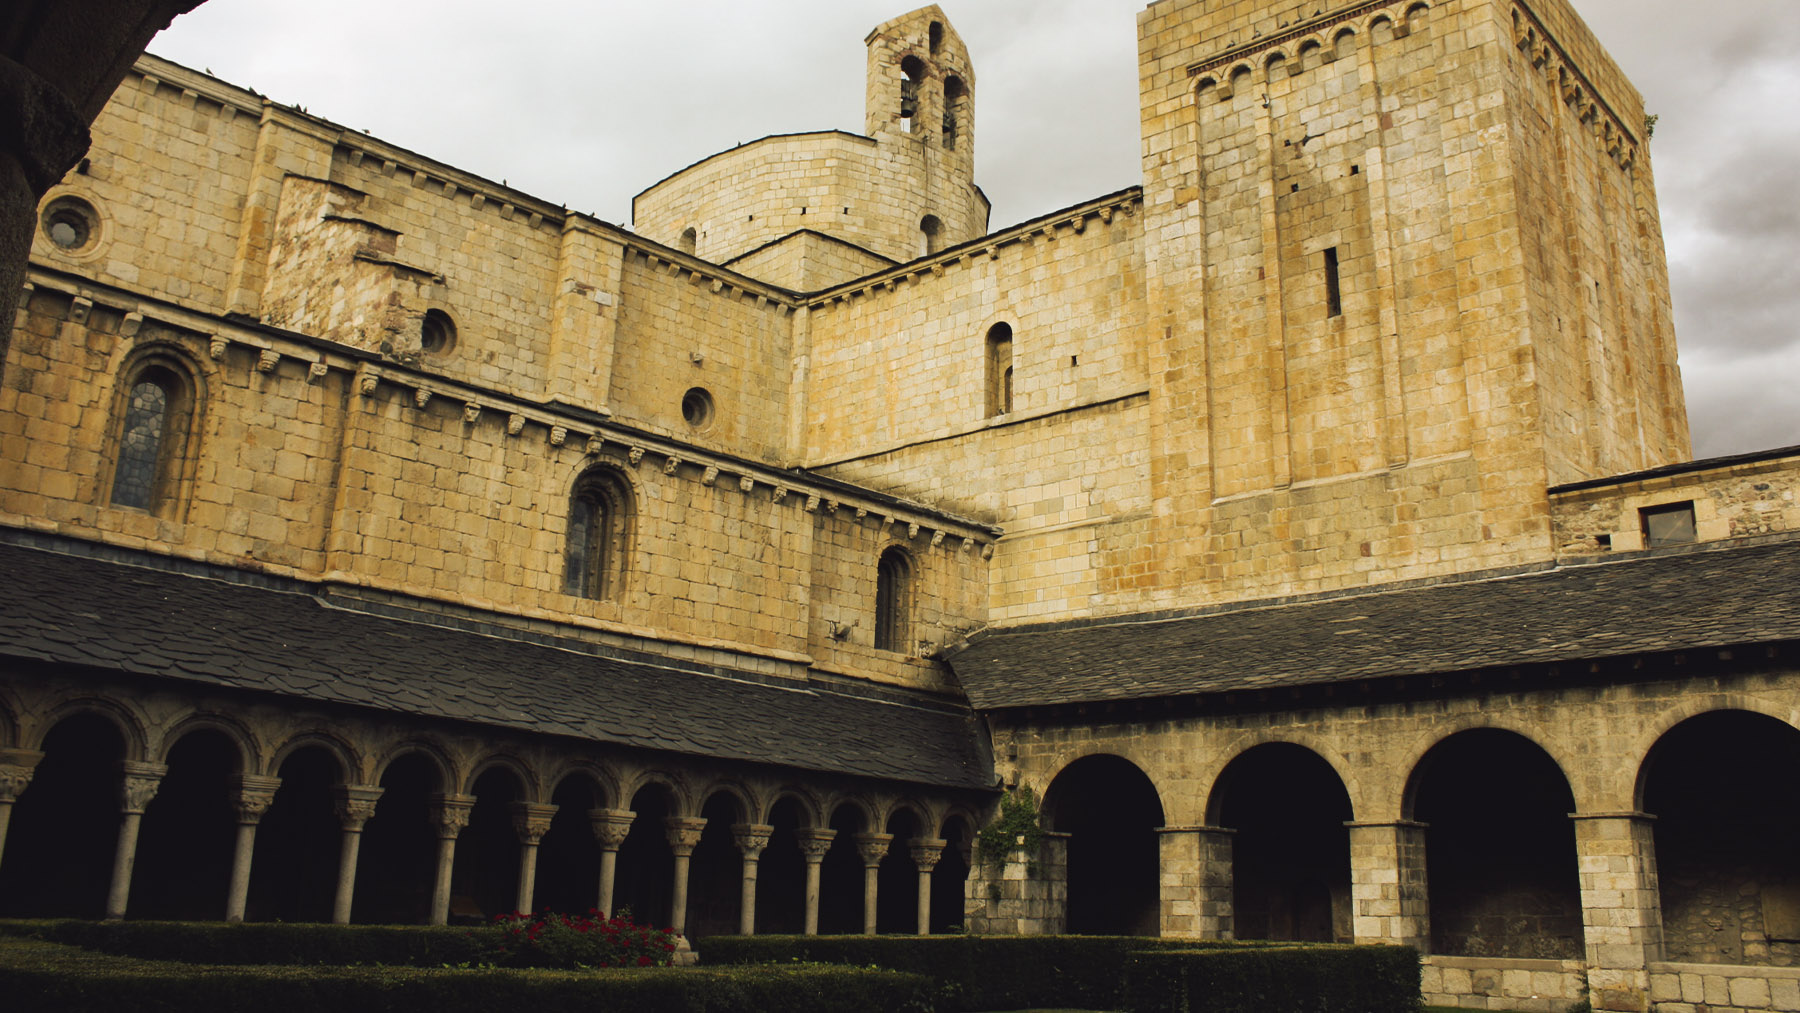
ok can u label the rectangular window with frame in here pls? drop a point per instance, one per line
(1669, 524)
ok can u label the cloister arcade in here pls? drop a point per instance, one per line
(1477, 838)
(162, 807)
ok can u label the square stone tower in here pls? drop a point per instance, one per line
(1406, 273)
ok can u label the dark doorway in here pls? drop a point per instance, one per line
(486, 881)
(841, 877)
(716, 873)
(951, 877)
(646, 869)
(781, 875)
(897, 892)
(568, 865)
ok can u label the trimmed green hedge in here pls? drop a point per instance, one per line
(272, 942)
(1317, 979)
(56, 978)
(973, 972)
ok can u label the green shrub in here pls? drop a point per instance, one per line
(55, 978)
(972, 972)
(1318, 979)
(276, 942)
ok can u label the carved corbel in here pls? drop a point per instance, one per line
(267, 360)
(471, 413)
(594, 443)
(812, 504)
(315, 372)
(670, 465)
(128, 328)
(912, 530)
(987, 550)
(709, 476)
(421, 398)
(937, 539)
(367, 379)
(635, 455)
(781, 492)
(515, 424)
(216, 348)
(79, 308)
(746, 483)
(559, 435)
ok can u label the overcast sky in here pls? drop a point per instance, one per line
(585, 103)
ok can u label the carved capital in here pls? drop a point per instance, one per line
(139, 785)
(751, 838)
(683, 833)
(531, 821)
(450, 814)
(814, 842)
(251, 796)
(611, 826)
(873, 847)
(926, 851)
(16, 767)
(356, 805)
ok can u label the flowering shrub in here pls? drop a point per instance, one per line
(547, 939)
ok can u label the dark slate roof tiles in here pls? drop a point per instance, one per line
(76, 610)
(1708, 597)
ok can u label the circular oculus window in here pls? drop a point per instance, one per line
(71, 224)
(437, 333)
(697, 408)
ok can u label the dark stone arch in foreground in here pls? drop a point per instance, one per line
(189, 831)
(1111, 812)
(299, 841)
(1725, 790)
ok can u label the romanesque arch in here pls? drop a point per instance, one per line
(1288, 808)
(841, 890)
(1724, 787)
(897, 907)
(715, 874)
(65, 826)
(1500, 847)
(396, 870)
(1111, 812)
(298, 841)
(646, 865)
(485, 882)
(950, 880)
(781, 885)
(568, 863)
(189, 830)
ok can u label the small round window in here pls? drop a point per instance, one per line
(697, 408)
(436, 333)
(71, 224)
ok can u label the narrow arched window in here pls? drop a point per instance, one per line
(893, 600)
(599, 536)
(152, 444)
(953, 100)
(912, 70)
(999, 369)
(689, 240)
(931, 235)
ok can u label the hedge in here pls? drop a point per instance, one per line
(973, 972)
(272, 942)
(1317, 979)
(56, 978)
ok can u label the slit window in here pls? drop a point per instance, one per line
(953, 100)
(1334, 293)
(999, 369)
(893, 600)
(1672, 524)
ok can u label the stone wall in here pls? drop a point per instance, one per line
(1712, 988)
(1526, 986)
(1732, 498)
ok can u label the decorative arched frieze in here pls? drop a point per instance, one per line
(433, 753)
(250, 755)
(1208, 781)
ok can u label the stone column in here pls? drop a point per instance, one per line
(251, 796)
(814, 842)
(449, 815)
(1388, 898)
(683, 835)
(355, 807)
(751, 839)
(16, 768)
(1621, 906)
(1195, 882)
(611, 826)
(925, 854)
(873, 848)
(135, 792)
(531, 821)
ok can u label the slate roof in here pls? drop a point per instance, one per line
(1736, 594)
(138, 620)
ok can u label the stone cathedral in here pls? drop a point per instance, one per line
(1311, 528)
